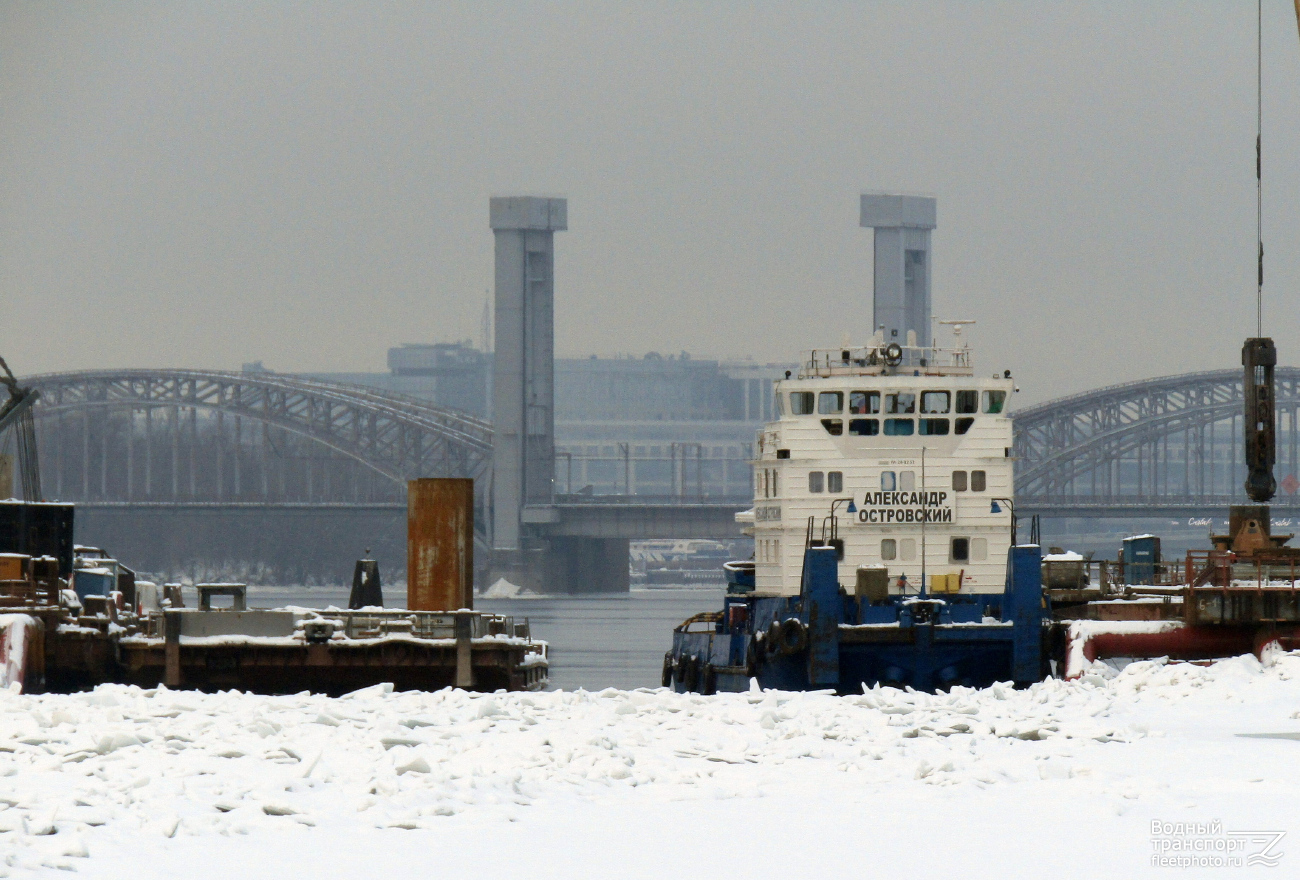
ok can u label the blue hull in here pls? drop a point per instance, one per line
(824, 639)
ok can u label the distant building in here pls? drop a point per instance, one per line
(658, 426)
(653, 388)
(452, 374)
(652, 426)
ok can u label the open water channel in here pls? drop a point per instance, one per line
(613, 641)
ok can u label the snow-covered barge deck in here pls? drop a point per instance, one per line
(49, 642)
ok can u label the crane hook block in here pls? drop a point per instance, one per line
(1259, 357)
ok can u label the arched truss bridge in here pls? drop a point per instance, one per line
(1172, 444)
(192, 436)
(150, 436)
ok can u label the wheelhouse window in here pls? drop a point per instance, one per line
(933, 427)
(902, 402)
(864, 427)
(830, 402)
(834, 427)
(888, 549)
(959, 481)
(864, 403)
(780, 405)
(960, 550)
(888, 481)
(936, 401)
(815, 481)
(898, 427)
(977, 481)
(835, 482)
(963, 425)
(801, 403)
(968, 401)
(994, 401)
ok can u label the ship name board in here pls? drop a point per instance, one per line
(905, 508)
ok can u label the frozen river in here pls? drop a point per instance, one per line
(1120, 774)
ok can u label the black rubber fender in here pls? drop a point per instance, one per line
(794, 636)
(679, 668)
(692, 677)
(666, 678)
(772, 643)
(753, 653)
(709, 680)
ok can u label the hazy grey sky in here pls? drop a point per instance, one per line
(205, 184)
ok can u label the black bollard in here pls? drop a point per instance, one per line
(365, 585)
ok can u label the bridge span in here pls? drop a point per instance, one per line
(1165, 446)
(209, 473)
(205, 472)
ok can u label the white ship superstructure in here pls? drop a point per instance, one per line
(901, 453)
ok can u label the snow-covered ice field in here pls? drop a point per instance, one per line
(1061, 780)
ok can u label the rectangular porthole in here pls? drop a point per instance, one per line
(979, 549)
(900, 403)
(907, 549)
(935, 401)
(907, 481)
(835, 482)
(959, 481)
(815, 480)
(801, 403)
(960, 550)
(888, 549)
(830, 403)
(977, 481)
(864, 403)
(888, 481)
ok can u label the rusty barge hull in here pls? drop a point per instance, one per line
(331, 652)
(409, 664)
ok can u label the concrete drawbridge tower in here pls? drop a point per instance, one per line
(529, 547)
(901, 289)
(523, 393)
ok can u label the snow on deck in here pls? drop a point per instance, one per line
(1053, 780)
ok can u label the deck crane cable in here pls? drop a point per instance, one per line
(1259, 169)
(1259, 160)
(1259, 355)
